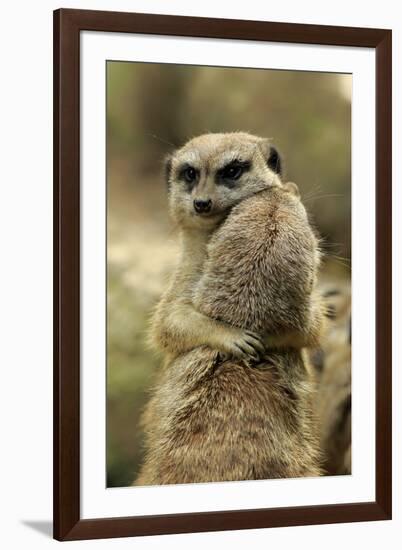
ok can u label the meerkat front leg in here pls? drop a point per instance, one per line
(179, 328)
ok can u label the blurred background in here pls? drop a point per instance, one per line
(151, 110)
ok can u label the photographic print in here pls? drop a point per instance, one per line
(219, 363)
(228, 274)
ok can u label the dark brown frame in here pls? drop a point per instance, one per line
(67, 26)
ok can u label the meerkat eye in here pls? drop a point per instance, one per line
(190, 174)
(232, 172)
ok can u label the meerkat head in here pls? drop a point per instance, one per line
(212, 173)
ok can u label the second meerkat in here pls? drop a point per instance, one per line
(247, 273)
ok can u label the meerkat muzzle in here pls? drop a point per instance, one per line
(202, 206)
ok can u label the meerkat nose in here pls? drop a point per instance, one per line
(202, 206)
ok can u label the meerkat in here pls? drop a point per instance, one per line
(246, 277)
(334, 396)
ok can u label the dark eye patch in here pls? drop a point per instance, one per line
(189, 175)
(233, 171)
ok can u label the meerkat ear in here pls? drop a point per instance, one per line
(274, 160)
(168, 169)
(292, 188)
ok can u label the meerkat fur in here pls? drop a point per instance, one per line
(245, 281)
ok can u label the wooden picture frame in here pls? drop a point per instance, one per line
(68, 24)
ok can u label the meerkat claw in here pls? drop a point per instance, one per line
(255, 341)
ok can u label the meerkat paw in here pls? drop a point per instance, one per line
(244, 344)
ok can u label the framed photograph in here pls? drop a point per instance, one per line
(222, 274)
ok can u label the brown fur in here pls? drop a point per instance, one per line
(254, 270)
(265, 253)
(226, 421)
